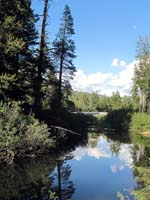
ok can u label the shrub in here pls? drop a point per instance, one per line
(20, 134)
(140, 122)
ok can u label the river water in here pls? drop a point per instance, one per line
(97, 170)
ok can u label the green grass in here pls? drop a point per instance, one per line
(140, 122)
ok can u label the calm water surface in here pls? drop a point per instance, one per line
(96, 171)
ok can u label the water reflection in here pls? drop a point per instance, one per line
(141, 156)
(104, 167)
(97, 170)
(26, 180)
(62, 186)
(104, 148)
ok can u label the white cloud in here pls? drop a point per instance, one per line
(105, 83)
(97, 152)
(89, 83)
(79, 153)
(115, 62)
(122, 63)
(125, 159)
(118, 63)
(125, 156)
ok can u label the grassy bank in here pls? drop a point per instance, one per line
(126, 120)
(140, 128)
(140, 124)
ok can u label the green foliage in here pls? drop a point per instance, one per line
(120, 196)
(140, 139)
(143, 191)
(100, 120)
(52, 195)
(140, 122)
(64, 53)
(140, 128)
(27, 174)
(143, 175)
(17, 38)
(141, 79)
(21, 135)
(88, 102)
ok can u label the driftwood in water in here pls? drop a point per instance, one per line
(98, 129)
(65, 129)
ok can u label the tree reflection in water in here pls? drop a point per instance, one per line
(63, 187)
(141, 157)
(33, 179)
(30, 180)
(26, 180)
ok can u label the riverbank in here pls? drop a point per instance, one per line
(127, 121)
(24, 135)
(21, 135)
(140, 124)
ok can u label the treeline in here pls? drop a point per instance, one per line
(91, 102)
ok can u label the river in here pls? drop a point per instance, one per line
(97, 170)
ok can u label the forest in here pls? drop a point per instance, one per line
(35, 74)
(93, 102)
(35, 86)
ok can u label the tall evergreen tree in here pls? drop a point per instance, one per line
(64, 53)
(142, 74)
(17, 39)
(45, 77)
(41, 59)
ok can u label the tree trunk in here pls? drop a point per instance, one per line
(61, 67)
(142, 103)
(41, 59)
(60, 81)
(59, 179)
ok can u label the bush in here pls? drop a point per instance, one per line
(21, 135)
(140, 122)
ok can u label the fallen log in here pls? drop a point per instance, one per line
(65, 129)
(98, 129)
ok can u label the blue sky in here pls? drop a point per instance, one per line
(105, 30)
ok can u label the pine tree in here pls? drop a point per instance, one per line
(17, 40)
(64, 53)
(45, 77)
(41, 60)
(142, 74)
